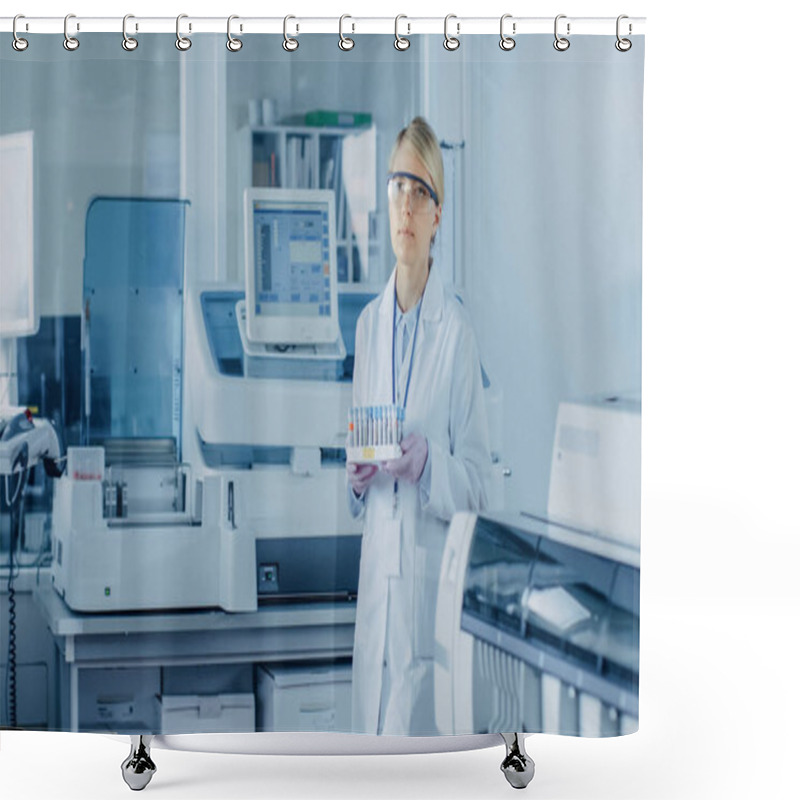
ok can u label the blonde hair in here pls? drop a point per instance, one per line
(422, 140)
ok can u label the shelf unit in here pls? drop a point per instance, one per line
(308, 157)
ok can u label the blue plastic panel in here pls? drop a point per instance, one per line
(133, 318)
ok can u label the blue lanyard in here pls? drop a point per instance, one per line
(411, 359)
(394, 345)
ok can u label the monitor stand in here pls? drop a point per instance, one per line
(332, 351)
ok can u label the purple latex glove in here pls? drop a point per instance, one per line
(410, 465)
(360, 476)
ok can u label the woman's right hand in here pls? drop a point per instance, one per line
(360, 476)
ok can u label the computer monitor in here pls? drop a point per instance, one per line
(290, 266)
(18, 315)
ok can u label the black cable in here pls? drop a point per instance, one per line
(11, 671)
(17, 513)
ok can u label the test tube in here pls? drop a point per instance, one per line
(349, 437)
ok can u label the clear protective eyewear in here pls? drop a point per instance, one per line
(420, 194)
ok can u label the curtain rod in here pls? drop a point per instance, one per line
(407, 26)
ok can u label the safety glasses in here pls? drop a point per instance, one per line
(420, 194)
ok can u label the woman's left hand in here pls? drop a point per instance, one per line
(410, 465)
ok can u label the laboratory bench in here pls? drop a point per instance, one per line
(192, 651)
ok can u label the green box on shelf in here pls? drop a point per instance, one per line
(338, 119)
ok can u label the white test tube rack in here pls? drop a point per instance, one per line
(374, 434)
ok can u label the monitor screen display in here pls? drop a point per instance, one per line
(291, 256)
(291, 292)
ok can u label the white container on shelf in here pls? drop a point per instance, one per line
(217, 713)
(304, 698)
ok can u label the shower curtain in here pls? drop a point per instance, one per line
(349, 418)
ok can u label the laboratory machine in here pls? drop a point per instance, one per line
(219, 455)
(537, 620)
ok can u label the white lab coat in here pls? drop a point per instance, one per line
(401, 550)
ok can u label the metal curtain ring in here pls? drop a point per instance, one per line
(70, 42)
(400, 42)
(289, 44)
(233, 44)
(128, 42)
(19, 44)
(451, 42)
(623, 45)
(345, 43)
(181, 42)
(561, 43)
(507, 42)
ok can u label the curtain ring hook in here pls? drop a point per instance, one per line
(183, 43)
(623, 45)
(561, 43)
(345, 43)
(233, 44)
(19, 44)
(451, 42)
(128, 42)
(400, 42)
(507, 42)
(289, 44)
(70, 42)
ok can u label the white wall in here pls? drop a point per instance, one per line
(553, 256)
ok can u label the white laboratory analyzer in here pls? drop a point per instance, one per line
(215, 470)
(537, 621)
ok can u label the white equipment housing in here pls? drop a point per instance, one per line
(593, 509)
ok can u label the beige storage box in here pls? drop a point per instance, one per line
(304, 698)
(217, 713)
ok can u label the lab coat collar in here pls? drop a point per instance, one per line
(433, 300)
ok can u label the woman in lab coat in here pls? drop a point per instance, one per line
(418, 330)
